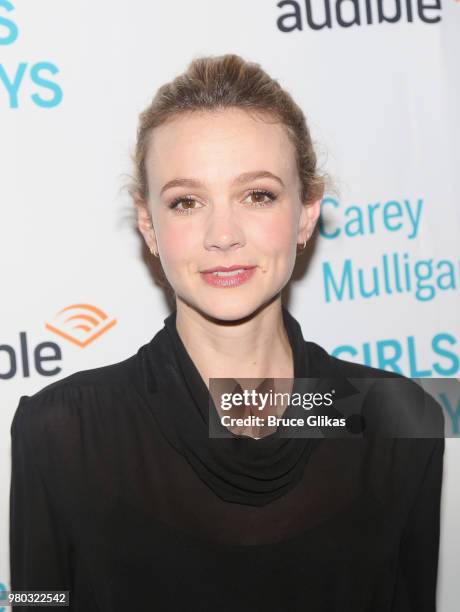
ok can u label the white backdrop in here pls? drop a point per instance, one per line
(382, 102)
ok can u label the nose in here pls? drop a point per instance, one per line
(223, 231)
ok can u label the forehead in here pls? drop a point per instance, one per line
(216, 146)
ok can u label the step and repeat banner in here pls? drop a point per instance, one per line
(379, 83)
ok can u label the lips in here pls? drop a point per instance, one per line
(232, 276)
(228, 269)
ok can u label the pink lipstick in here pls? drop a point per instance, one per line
(232, 276)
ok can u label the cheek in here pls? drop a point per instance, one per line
(175, 245)
(275, 234)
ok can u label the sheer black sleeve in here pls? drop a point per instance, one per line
(419, 551)
(39, 547)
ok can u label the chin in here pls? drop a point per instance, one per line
(229, 308)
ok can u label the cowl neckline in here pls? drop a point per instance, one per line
(239, 469)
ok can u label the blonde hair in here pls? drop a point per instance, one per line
(213, 83)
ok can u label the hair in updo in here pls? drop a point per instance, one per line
(214, 83)
(228, 81)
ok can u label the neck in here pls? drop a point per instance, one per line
(254, 347)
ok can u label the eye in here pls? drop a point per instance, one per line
(258, 196)
(187, 200)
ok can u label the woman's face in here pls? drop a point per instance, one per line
(224, 191)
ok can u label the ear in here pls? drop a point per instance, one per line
(145, 224)
(308, 218)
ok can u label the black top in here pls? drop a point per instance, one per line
(119, 496)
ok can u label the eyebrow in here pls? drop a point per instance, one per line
(242, 178)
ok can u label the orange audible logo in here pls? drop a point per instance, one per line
(80, 324)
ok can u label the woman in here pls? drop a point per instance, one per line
(120, 494)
